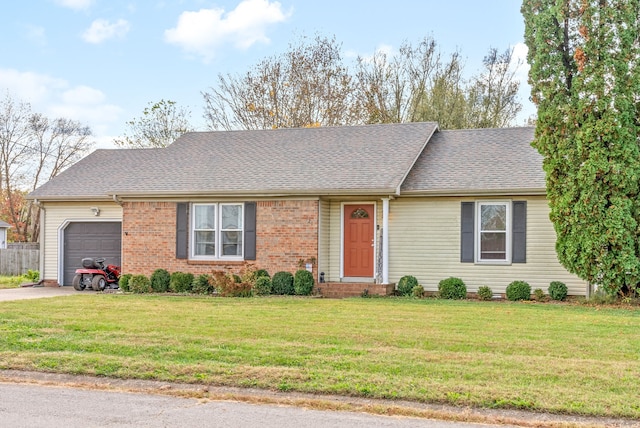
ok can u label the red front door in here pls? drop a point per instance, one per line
(358, 240)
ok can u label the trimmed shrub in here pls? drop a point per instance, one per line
(263, 287)
(485, 293)
(418, 291)
(303, 282)
(518, 290)
(452, 288)
(140, 284)
(406, 284)
(558, 290)
(181, 282)
(202, 285)
(538, 294)
(160, 280)
(123, 282)
(282, 283)
(262, 272)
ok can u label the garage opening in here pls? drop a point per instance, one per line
(90, 239)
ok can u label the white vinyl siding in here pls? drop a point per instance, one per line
(324, 232)
(424, 240)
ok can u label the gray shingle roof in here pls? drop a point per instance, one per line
(478, 161)
(328, 160)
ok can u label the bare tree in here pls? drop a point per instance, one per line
(309, 85)
(306, 86)
(55, 145)
(33, 149)
(161, 124)
(493, 93)
(392, 88)
(15, 138)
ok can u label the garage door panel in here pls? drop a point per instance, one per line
(90, 239)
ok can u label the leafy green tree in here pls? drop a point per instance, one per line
(584, 57)
(161, 124)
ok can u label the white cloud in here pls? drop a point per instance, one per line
(56, 97)
(101, 30)
(37, 35)
(75, 4)
(202, 32)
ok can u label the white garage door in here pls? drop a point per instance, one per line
(90, 239)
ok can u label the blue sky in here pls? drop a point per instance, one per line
(102, 61)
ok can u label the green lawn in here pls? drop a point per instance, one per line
(547, 357)
(12, 281)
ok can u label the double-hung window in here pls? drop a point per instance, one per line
(493, 232)
(217, 231)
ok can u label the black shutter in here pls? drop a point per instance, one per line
(519, 232)
(467, 229)
(182, 231)
(249, 230)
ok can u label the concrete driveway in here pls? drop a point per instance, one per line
(36, 292)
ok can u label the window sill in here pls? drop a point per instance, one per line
(493, 262)
(216, 262)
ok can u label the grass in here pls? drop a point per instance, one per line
(544, 357)
(12, 281)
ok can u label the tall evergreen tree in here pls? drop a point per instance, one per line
(584, 57)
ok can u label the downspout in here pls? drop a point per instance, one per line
(385, 240)
(117, 200)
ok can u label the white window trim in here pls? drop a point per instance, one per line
(218, 232)
(478, 231)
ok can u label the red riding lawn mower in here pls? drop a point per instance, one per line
(96, 275)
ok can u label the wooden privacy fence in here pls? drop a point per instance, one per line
(17, 261)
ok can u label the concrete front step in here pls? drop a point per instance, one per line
(337, 290)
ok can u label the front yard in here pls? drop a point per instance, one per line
(546, 357)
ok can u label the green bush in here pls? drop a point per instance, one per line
(181, 282)
(418, 291)
(282, 283)
(202, 285)
(406, 284)
(263, 287)
(303, 282)
(262, 272)
(538, 294)
(452, 288)
(140, 284)
(518, 290)
(32, 275)
(160, 280)
(485, 293)
(558, 290)
(123, 282)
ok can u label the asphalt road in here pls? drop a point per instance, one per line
(23, 405)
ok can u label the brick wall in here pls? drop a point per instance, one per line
(286, 231)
